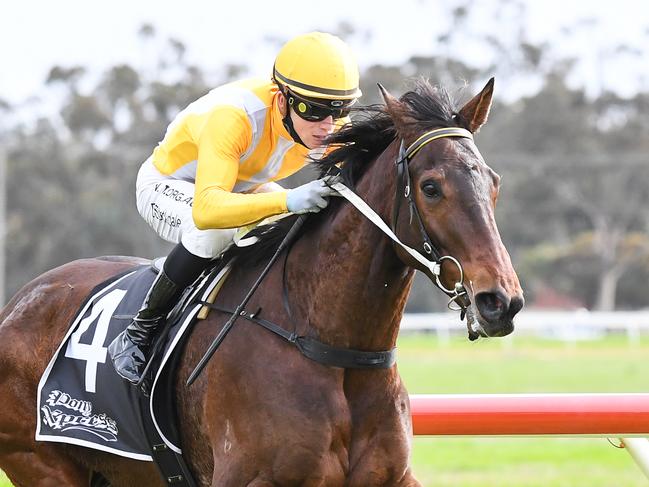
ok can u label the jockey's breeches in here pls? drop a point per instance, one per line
(166, 205)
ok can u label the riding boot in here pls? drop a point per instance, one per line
(130, 349)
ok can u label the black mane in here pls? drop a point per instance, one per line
(355, 146)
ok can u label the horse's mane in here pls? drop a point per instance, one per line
(354, 146)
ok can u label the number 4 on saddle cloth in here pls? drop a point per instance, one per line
(82, 400)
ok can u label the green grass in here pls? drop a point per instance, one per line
(521, 365)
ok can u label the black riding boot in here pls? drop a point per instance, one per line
(130, 349)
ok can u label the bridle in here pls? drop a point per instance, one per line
(431, 259)
(459, 297)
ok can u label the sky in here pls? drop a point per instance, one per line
(36, 35)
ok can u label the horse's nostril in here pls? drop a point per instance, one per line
(515, 305)
(491, 305)
(497, 306)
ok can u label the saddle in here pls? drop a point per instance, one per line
(82, 400)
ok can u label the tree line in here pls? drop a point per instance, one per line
(574, 202)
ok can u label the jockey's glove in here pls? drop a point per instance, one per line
(310, 197)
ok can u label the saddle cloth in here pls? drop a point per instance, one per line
(82, 401)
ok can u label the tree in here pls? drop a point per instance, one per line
(573, 209)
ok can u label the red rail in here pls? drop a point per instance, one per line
(614, 415)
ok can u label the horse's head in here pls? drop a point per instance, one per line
(448, 183)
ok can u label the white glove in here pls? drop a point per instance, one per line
(310, 197)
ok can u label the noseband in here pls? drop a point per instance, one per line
(459, 298)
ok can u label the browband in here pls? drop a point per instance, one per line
(434, 135)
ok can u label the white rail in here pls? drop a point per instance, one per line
(564, 325)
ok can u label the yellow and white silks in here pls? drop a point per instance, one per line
(227, 143)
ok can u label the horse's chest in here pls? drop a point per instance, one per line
(274, 421)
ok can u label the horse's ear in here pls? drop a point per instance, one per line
(476, 111)
(390, 101)
(398, 111)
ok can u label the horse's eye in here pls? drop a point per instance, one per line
(431, 189)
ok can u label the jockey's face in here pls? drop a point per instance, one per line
(311, 133)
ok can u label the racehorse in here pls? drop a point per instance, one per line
(261, 414)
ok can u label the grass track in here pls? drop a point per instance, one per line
(520, 365)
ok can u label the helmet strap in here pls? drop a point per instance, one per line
(287, 121)
(288, 124)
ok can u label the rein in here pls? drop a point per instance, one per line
(432, 260)
(431, 257)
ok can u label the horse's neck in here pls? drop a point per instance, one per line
(355, 289)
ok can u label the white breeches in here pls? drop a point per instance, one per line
(166, 205)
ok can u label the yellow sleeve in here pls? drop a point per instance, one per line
(222, 140)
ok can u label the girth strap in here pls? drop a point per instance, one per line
(322, 353)
(345, 357)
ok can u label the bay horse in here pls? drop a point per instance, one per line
(261, 414)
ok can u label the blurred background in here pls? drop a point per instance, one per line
(87, 90)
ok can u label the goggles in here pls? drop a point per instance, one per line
(316, 111)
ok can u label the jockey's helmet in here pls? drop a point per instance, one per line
(318, 65)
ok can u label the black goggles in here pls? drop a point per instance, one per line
(316, 111)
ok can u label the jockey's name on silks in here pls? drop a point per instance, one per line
(174, 194)
(231, 141)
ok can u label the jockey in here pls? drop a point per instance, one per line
(214, 171)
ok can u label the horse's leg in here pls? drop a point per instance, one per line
(25, 461)
(380, 457)
(22, 358)
(42, 469)
(268, 483)
(382, 467)
(409, 481)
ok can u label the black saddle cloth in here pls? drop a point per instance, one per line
(82, 400)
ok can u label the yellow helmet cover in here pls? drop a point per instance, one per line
(318, 65)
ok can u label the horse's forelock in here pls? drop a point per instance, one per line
(429, 106)
(423, 108)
